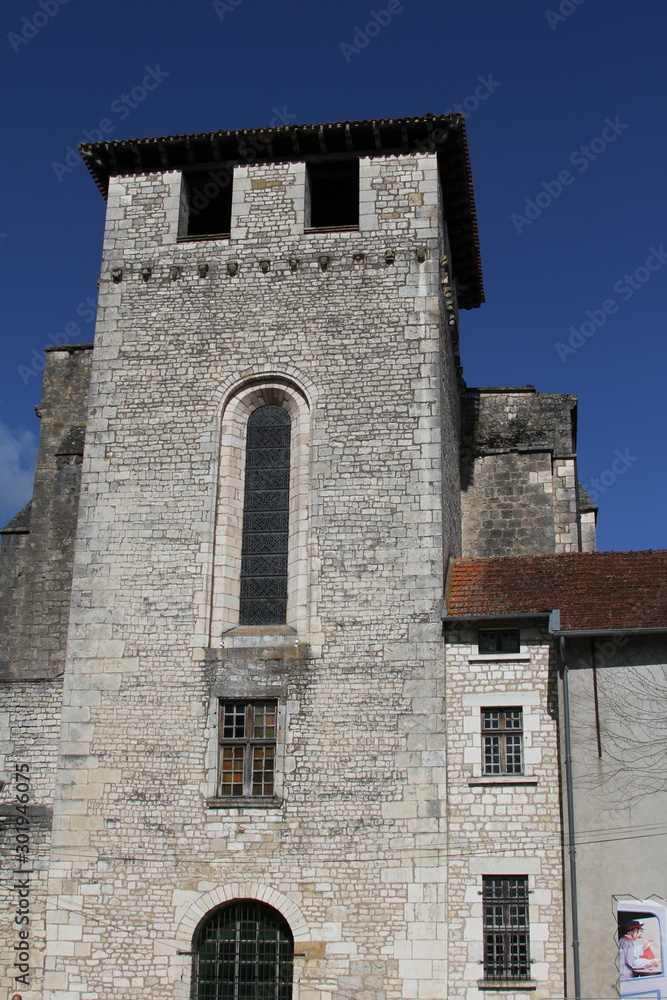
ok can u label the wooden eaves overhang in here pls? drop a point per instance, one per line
(442, 134)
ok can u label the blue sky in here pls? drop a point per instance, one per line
(565, 106)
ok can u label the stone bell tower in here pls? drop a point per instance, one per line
(252, 727)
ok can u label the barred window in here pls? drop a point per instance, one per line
(502, 740)
(247, 737)
(266, 518)
(506, 941)
(243, 951)
(498, 640)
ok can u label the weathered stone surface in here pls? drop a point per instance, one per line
(518, 489)
(360, 329)
(38, 550)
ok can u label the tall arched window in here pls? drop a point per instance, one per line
(261, 556)
(243, 951)
(266, 518)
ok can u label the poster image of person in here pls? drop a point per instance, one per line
(635, 954)
(641, 941)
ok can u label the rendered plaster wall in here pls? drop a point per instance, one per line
(353, 853)
(620, 789)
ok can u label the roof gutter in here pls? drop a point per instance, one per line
(554, 624)
(592, 632)
(448, 619)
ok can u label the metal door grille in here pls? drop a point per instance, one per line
(265, 518)
(244, 951)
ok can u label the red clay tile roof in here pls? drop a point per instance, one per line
(592, 590)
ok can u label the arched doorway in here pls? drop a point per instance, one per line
(243, 951)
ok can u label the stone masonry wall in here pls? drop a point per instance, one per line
(36, 567)
(518, 476)
(352, 853)
(29, 729)
(504, 824)
(35, 583)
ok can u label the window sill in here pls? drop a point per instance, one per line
(241, 802)
(506, 984)
(258, 636)
(499, 657)
(504, 779)
(203, 238)
(352, 228)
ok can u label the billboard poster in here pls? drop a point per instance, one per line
(642, 948)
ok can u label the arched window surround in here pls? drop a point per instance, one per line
(191, 910)
(261, 391)
(244, 912)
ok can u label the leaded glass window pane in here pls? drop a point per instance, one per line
(266, 518)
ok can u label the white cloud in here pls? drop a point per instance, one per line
(18, 456)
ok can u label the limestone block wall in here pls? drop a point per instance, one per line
(352, 851)
(518, 473)
(36, 566)
(504, 824)
(29, 729)
(35, 581)
(567, 519)
(510, 508)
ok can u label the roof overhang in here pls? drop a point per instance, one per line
(444, 135)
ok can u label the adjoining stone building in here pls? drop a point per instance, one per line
(257, 763)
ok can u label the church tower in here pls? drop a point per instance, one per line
(252, 734)
(256, 756)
